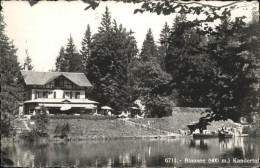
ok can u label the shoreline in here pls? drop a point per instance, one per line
(95, 138)
(14, 139)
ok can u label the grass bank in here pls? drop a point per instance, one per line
(180, 120)
(84, 129)
(81, 129)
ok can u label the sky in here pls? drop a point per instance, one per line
(43, 28)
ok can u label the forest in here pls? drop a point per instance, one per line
(192, 65)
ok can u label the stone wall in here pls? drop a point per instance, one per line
(188, 109)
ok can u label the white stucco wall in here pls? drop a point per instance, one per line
(59, 93)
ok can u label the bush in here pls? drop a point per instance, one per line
(251, 130)
(159, 106)
(32, 136)
(6, 127)
(62, 130)
(86, 117)
(42, 121)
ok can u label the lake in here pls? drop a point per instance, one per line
(184, 152)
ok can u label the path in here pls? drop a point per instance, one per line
(149, 127)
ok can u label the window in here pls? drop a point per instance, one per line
(71, 95)
(48, 86)
(40, 95)
(59, 83)
(67, 95)
(36, 94)
(77, 95)
(45, 94)
(54, 96)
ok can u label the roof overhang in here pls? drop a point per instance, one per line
(61, 101)
(42, 78)
(86, 106)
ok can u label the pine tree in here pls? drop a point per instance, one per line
(187, 64)
(164, 38)
(85, 49)
(236, 54)
(27, 62)
(106, 22)
(149, 76)
(149, 49)
(61, 64)
(111, 51)
(219, 74)
(69, 60)
(11, 87)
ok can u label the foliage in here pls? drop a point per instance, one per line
(112, 49)
(209, 66)
(86, 117)
(27, 65)
(149, 76)
(69, 60)
(5, 125)
(159, 106)
(62, 130)
(11, 86)
(188, 65)
(42, 121)
(85, 49)
(40, 130)
(236, 59)
(220, 73)
(163, 41)
(5, 160)
(61, 63)
(166, 7)
(31, 136)
(233, 62)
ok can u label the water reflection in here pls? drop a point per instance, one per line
(134, 153)
(199, 144)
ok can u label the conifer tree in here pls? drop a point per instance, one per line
(69, 60)
(85, 47)
(11, 87)
(106, 22)
(220, 74)
(27, 61)
(73, 57)
(61, 63)
(164, 38)
(111, 51)
(149, 76)
(236, 54)
(149, 49)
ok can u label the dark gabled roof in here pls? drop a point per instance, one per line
(42, 78)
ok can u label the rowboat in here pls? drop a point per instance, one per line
(204, 135)
(224, 134)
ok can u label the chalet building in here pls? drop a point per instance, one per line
(59, 92)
